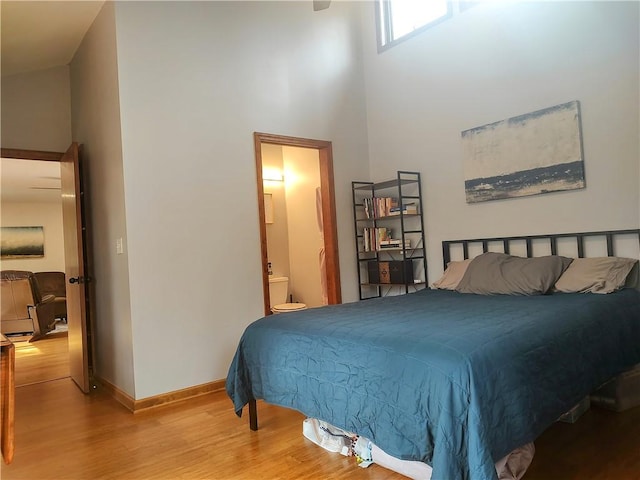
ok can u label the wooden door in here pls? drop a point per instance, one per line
(75, 267)
(329, 222)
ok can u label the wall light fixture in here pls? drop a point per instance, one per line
(272, 175)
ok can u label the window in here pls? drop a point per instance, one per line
(399, 18)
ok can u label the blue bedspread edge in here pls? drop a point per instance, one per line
(453, 380)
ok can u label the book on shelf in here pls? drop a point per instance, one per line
(395, 244)
(374, 236)
(406, 209)
(380, 238)
(378, 207)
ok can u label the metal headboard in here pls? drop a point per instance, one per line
(529, 239)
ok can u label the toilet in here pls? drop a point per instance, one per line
(278, 290)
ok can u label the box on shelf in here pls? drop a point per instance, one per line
(392, 271)
(373, 271)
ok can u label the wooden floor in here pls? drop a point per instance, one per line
(43, 360)
(64, 434)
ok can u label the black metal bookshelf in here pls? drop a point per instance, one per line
(389, 236)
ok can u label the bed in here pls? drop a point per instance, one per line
(455, 380)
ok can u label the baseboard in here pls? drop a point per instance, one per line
(120, 396)
(135, 406)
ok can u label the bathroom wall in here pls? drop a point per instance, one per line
(302, 178)
(293, 239)
(277, 232)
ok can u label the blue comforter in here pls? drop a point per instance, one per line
(453, 380)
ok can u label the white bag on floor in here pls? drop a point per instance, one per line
(409, 468)
(327, 436)
(362, 450)
(510, 467)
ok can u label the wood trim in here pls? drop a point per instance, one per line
(291, 141)
(178, 395)
(325, 155)
(257, 145)
(31, 154)
(120, 396)
(7, 399)
(329, 226)
(81, 197)
(136, 406)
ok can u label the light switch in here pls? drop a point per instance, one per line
(119, 246)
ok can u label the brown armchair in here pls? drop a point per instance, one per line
(54, 283)
(24, 309)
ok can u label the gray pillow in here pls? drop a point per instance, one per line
(499, 273)
(597, 275)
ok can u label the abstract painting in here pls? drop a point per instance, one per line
(534, 153)
(18, 242)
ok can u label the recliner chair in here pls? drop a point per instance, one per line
(54, 283)
(24, 309)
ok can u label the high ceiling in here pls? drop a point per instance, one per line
(42, 34)
(37, 35)
(29, 181)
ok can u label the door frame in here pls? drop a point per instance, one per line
(22, 154)
(329, 223)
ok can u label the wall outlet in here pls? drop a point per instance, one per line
(119, 246)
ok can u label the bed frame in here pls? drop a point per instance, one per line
(507, 244)
(551, 239)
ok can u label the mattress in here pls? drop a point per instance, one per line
(453, 380)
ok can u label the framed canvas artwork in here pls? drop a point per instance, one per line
(534, 153)
(19, 242)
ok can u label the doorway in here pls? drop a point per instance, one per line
(329, 271)
(62, 353)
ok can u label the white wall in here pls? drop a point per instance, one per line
(196, 80)
(49, 216)
(96, 125)
(36, 110)
(493, 62)
(302, 177)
